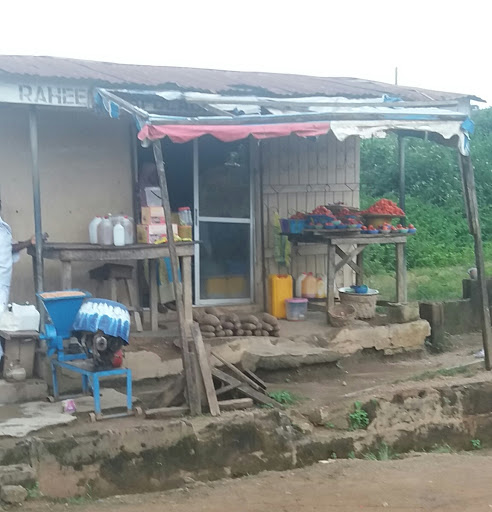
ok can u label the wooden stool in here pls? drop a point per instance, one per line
(113, 273)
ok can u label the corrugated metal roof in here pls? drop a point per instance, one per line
(208, 80)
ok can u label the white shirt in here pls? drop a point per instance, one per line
(6, 259)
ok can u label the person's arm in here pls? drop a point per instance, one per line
(19, 246)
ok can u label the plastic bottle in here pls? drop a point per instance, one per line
(299, 281)
(105, 231)
(119, 235)
(93, 229)
(309, 286)
(321, 283)
(185, 218)
(129, 230)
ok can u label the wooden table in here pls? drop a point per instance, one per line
(67, 253)
(358, 242)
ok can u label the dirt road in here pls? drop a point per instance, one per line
(451, 483)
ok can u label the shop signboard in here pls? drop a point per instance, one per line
(36, 93)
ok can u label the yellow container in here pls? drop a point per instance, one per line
(280, 290)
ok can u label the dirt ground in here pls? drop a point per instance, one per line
(327, 384)
(445, 482)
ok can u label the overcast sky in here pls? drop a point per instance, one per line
(435, 44)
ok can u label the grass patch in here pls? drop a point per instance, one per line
(464, 371)
(33, 492)
(442, 448)
(434, 283)
(476, 444)
(384, 452)
(359, 419)
(285, 398)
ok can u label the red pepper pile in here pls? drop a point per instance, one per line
(385, 207)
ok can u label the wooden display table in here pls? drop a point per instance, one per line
(358, 242)
(67, 253)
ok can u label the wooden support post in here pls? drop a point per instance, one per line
(184, 330)
(470, 194)
(359, 276)
(187, 286)
(330, 277)
(154, 293)
(66, 277)
(401, 165)
(401, 274)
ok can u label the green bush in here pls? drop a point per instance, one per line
(434, 201)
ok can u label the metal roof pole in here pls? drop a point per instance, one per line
(471, 205)
(36, 190)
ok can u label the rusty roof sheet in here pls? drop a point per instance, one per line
(209, 80)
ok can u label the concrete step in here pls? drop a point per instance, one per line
(26, 391)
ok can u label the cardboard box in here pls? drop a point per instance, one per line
(150, 234)
(153, 215)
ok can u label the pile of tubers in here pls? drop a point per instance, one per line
(215, 323)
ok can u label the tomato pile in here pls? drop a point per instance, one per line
(298, 216)
(385, 207)
(322, 210)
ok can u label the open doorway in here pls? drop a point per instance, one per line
(178, 160)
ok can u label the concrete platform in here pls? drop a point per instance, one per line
(22, 419)
(27, 391)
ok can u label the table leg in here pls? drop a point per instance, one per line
(330, 277)
(401, 274)
(154, 294)
(359, 276)
(66, 278)
(187, 291)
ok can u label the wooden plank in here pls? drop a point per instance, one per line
(332, 159)
(401, 274)
(255, 377)
(257, 174)
(293, 165)
(205, 370)
(236, 404)
(468, 180)
(340, 252)
(226, 389)
(341, 150)
(322, 149)
(154, 295)
(330, 277)
(184, 328)
(346, 257)
(187, 288)
(284, 160)
(245, 389)
(350, 160)
(312, 166)
(274, 169)
(88, 252)
(304, 145)
(359, 276)
(166, 412)
(66, 275)
(238, 373)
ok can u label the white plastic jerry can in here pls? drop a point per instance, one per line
(299, 281)
(321, 283)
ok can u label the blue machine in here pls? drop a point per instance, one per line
(85, 336)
